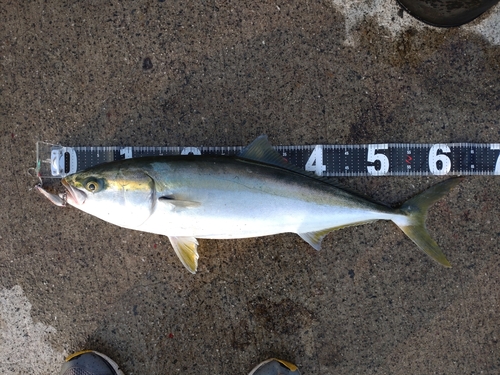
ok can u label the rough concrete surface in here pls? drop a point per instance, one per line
(221, 73)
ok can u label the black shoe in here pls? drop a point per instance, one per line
(89, 362)
(446, 13)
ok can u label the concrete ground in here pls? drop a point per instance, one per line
(221, 73)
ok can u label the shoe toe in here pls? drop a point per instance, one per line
(88, 363)
(275, 367)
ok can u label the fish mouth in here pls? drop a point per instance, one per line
(58, 200)
(73, 196)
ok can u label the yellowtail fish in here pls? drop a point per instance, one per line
(256, 193)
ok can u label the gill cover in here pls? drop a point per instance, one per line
(126, 197)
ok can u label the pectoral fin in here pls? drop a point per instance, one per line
(186, 250)
(178, 203)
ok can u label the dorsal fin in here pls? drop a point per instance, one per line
(261, 150)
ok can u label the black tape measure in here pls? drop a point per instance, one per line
(384, 159)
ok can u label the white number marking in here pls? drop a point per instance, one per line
(315, 161)
(496, 146)
(191, 150)
(434, 158)
(126, 152)
(373, 156)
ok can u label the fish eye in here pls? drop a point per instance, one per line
(93, 186)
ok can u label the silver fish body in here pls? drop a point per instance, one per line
(223, 198)
(254, 194)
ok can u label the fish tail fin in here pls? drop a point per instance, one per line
(415, 210)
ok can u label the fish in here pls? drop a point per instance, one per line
(255, 193)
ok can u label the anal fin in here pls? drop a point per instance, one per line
(186, 249)
(315, 238)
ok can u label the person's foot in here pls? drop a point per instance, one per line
(89, 362)
(275, 366)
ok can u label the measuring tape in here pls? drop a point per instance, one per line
(384, 159)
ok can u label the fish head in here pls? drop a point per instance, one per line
(122, 196)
